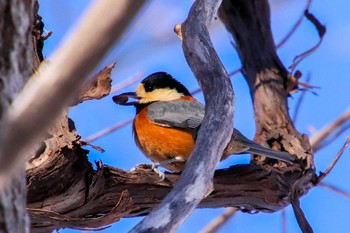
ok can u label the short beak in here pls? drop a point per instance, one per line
(123, 99)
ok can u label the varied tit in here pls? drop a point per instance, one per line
(167, 119)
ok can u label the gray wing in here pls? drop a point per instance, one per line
(180, 114)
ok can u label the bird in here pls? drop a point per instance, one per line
(167, 121)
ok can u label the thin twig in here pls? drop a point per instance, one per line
(231, 74)
(332, 137)
(323, 134)
(299, 214)
(284, 220)
(300, 100)
(295, 27)
(334, 189)
(335, 160)
(220, 221)
(321, 32)
(127, 82)
(108, 130)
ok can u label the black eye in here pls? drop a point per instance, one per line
(149, 88)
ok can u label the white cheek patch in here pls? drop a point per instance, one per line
(164, 94)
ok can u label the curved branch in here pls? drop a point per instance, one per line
(196, 179)
(44, 98)
(98, 198)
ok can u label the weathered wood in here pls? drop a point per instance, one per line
(268, 80)
(82, 198)
(216, 128)
(64, 191)
(249, 23)
(45, 97)
(15, 69)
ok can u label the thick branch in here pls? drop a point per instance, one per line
(196, 180)
(16, 20)
(100, 198)
(249, 23)
(47, 94)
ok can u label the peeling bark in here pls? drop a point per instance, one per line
(99, 198)
(249, 23)
(268, 80)
(64, 191)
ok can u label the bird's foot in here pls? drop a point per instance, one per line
(174, 160)
(153, 167)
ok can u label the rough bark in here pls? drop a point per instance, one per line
(99, 198)
(64, 191)
(249, 23)
(268, 80)
(196, 180)
(47, 95)
(15, 69)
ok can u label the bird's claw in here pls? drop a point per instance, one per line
(153, 167)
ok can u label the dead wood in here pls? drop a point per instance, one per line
(82, 198)
(64, 191)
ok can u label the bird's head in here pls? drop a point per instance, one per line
(158, 86)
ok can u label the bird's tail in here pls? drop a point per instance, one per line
(274, 154)
(240, 144)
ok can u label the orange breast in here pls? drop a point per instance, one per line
(161, 143)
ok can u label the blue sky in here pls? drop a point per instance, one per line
(150, 45)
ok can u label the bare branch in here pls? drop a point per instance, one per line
(333, 136)
(298, 189)
(295, 27)
(334, 189)
(321, 32)
(299, 214)
(18, 33)
(48, 93)
(267, 78)
(335, 160)
(220, 221)
(319, 137)
(94, 194)
(284, 220)
(300, 100)
(108, 130)
(196, 180)
(127, 82)
(231, 74)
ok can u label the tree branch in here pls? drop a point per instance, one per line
(16, 63)
(95, 194)
(220, 221)
(47, 94)
(249, 23)
(105, 195)
(196, 179)
(320, 137)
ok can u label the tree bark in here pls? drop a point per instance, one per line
(268, 80)
(249, 23)
(15, 69)
(97, 198)
(196, 180)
